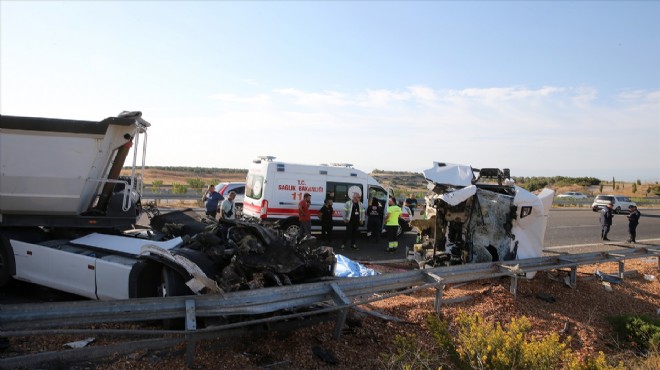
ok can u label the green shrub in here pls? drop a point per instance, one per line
(408, 355)
(196, 183)
(491, 346)
(478, 344)
(592, 363)
(179, 189)
(655, 190)
(641, 332)
(156, 185)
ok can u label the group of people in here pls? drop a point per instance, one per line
(354, 215)
(212, 201)
(606, 222)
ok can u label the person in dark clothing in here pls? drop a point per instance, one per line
(605, 221)
(633, 221)
(212, 199)
(375, 220)
(411, 202)
(325, 214)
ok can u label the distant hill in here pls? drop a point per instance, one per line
(401, 181)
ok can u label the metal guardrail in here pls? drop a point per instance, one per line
(334, 296)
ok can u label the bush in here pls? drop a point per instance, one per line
(179, 189)
(655, 190)
(156, 185)
(481, 345)
(642, 332)
(196, 183)
(408, 355)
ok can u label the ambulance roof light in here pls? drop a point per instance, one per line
(266, 158)
(347, 165)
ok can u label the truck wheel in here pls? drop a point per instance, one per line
(172, 285)
(238, 210)
(617, 210)
(292, 229)
(6, 262)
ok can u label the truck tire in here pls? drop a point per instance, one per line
(172, 285)
(7, 266)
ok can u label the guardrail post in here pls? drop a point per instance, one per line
(341, 300)
(438, 290)
(437, 305)
(514, 284)
(191, 326)
(622, 269)
(573, 277)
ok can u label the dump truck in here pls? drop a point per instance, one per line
(68, 221)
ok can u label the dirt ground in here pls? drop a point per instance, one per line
(369, 341)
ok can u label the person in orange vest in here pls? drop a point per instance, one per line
(392, 225)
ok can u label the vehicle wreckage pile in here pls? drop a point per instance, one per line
(239, 255)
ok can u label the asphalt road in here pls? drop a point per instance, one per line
(573, 230)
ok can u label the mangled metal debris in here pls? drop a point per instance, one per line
(480, 221)
(230, 255)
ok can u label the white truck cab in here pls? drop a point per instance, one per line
(274, 189)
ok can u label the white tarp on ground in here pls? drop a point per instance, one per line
(346, 267)
(450, 174)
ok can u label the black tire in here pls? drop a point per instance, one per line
(292, 229)
(7, 266)
(617, 210)
(172, 285)
(238, 210)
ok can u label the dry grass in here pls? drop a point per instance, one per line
(171, 177)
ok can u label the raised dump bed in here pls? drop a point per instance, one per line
(60, 166)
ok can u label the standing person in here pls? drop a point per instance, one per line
(305, 216)
(325, 214)
(605, 221)
(227, 210)
(375, 220)
(633, 221)
(392, 225)
(353, 218)
(411, 202)
(212, 198)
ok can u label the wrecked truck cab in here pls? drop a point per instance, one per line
(480, 215)
(231, 255)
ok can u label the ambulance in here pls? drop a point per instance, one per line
(273, 190)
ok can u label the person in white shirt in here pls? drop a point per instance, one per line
(228, 212)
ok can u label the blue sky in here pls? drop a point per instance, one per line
(542, 88)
